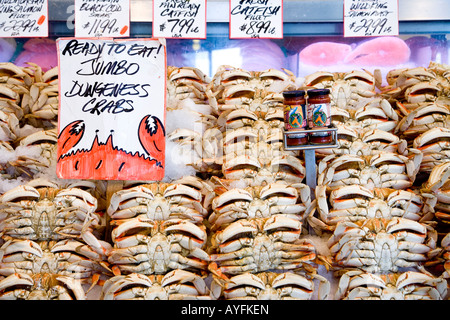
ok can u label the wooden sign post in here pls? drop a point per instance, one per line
(111, 109)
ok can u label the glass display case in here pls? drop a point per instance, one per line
(423, 33)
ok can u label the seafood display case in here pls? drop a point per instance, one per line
(237, 215)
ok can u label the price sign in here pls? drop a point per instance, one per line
(102, 18)
(179, 19)
(23, 18)
(111, 109)
(366, 18)
(256, 19)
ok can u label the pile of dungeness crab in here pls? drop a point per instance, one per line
(234, 218)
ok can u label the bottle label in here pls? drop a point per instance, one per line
(294, 117)
(320, 115)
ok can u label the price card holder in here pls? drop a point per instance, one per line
(367, 18)
(256, 19)
(179, 19)
(310, 152)
(102, 18)
(20, 18)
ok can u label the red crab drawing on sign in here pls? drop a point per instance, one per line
(105, 161)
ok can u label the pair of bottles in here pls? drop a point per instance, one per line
(306, 110)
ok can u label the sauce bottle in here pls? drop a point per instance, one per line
(295, 117)
(319, 115)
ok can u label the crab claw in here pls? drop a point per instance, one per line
(152, 137)
(215, 270)
(70, 136)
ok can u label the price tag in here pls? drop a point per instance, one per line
(367, 18)
(111, 109)
(256, 19)
(102, 18)
(23, 18)
(179, 19)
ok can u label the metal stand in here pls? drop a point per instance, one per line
(310, 152)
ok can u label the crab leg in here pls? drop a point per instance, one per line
(16, 279)
(177, 260)
(238, 269)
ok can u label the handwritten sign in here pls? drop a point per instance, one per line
(366, 18)
(23, 18)
(102, 18)
(256, 19)
(179, 19)
(112, 109)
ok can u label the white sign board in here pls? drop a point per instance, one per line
(256, 19)
(366, 18)
(112, 109)
(102, 18)
(19, 18)
(179, 19)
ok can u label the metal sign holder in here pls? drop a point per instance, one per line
(310, 152)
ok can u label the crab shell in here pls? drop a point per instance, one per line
(273, 286)
(69, 257)
(381, 170)
(381, 245)
(377, 113)
(175, 285)
(260, 245)
(243, 117)
(426, 116)
(14, 82)
(261, 171)
(355, 202)
(423, 91)
(365, 142)
(403, 79)
(377, 108)
(409, 285)
(349, 91)
(9, 125)
(437, 186)
(146, 246)
(262, 140)
(9, 70)
(407, 77)
(40, 286)
(158, 201)
(260, 202)
(200, 151)
(235, 88)
(226, 76)
(43, 147)
(45, 213)
(43, 90)
(435, 146)
(186, 83)
(205, 187)
(445, 244)
(245, 96)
